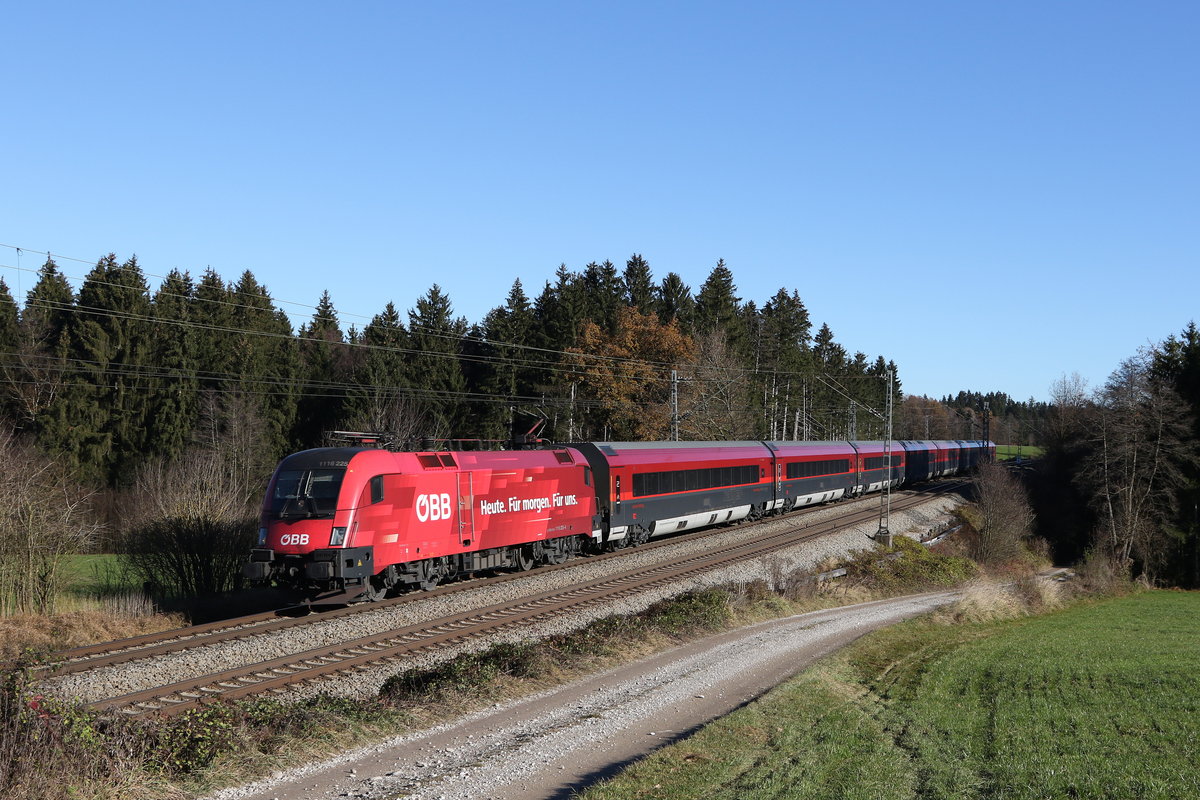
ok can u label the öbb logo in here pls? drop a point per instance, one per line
(433, 507)
(294, 538)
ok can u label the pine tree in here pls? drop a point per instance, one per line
(675, 302)
(435, 371)
(786, 333)
(9, 320)
(1177, 363)
(638, 284)
(561, 310)
(604, 293)
(506, 333)
(560, 313)
(98, 422)
(828, 354)
(326, 370)
(175, 402)
(10, 346)
(266, 366)
(212, 312)
(829, 406)
(37, 368)
(896, 385)
(380, 401)
(49, 306)
(717, 307)
(879, 387)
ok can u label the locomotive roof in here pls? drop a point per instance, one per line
(321, 457)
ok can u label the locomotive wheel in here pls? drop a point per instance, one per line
(430, 575)
(374, 590)
(558, 551)
(432, 571)
(523, 558)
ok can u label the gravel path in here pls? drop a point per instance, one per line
(552, 744)
(170, 668)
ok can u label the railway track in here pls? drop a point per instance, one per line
(371, 652)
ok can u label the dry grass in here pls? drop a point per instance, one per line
(989, 600)
(41, 634)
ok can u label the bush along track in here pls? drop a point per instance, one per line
(50, 749)
(1098, 700)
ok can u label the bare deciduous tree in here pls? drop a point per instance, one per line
(232, 429)
(1006, 518)
(44, 517)
(32, 377)
(1069, 404)
(386, 411)
(1140, 435)
(714, 393)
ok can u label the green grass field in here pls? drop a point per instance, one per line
(95, 575)
(1004, 452)
(1098, 701)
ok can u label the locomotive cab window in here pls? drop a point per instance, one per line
(308, 493)
(376, 489)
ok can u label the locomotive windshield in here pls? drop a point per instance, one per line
(306, 493)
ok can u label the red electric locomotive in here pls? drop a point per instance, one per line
(369, 520)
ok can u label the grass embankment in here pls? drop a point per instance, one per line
(1100, 700)
(52, 750)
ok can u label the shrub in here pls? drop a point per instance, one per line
(908, 566)
(190, 556)
(194, 739)
(467, 674)
(693, 612)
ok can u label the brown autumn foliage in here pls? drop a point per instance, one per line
(626, 375)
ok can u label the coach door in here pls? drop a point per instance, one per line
(466, 507)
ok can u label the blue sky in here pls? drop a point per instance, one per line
(992, 194)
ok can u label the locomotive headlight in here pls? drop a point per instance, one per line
(262, 537)
(338, 537)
